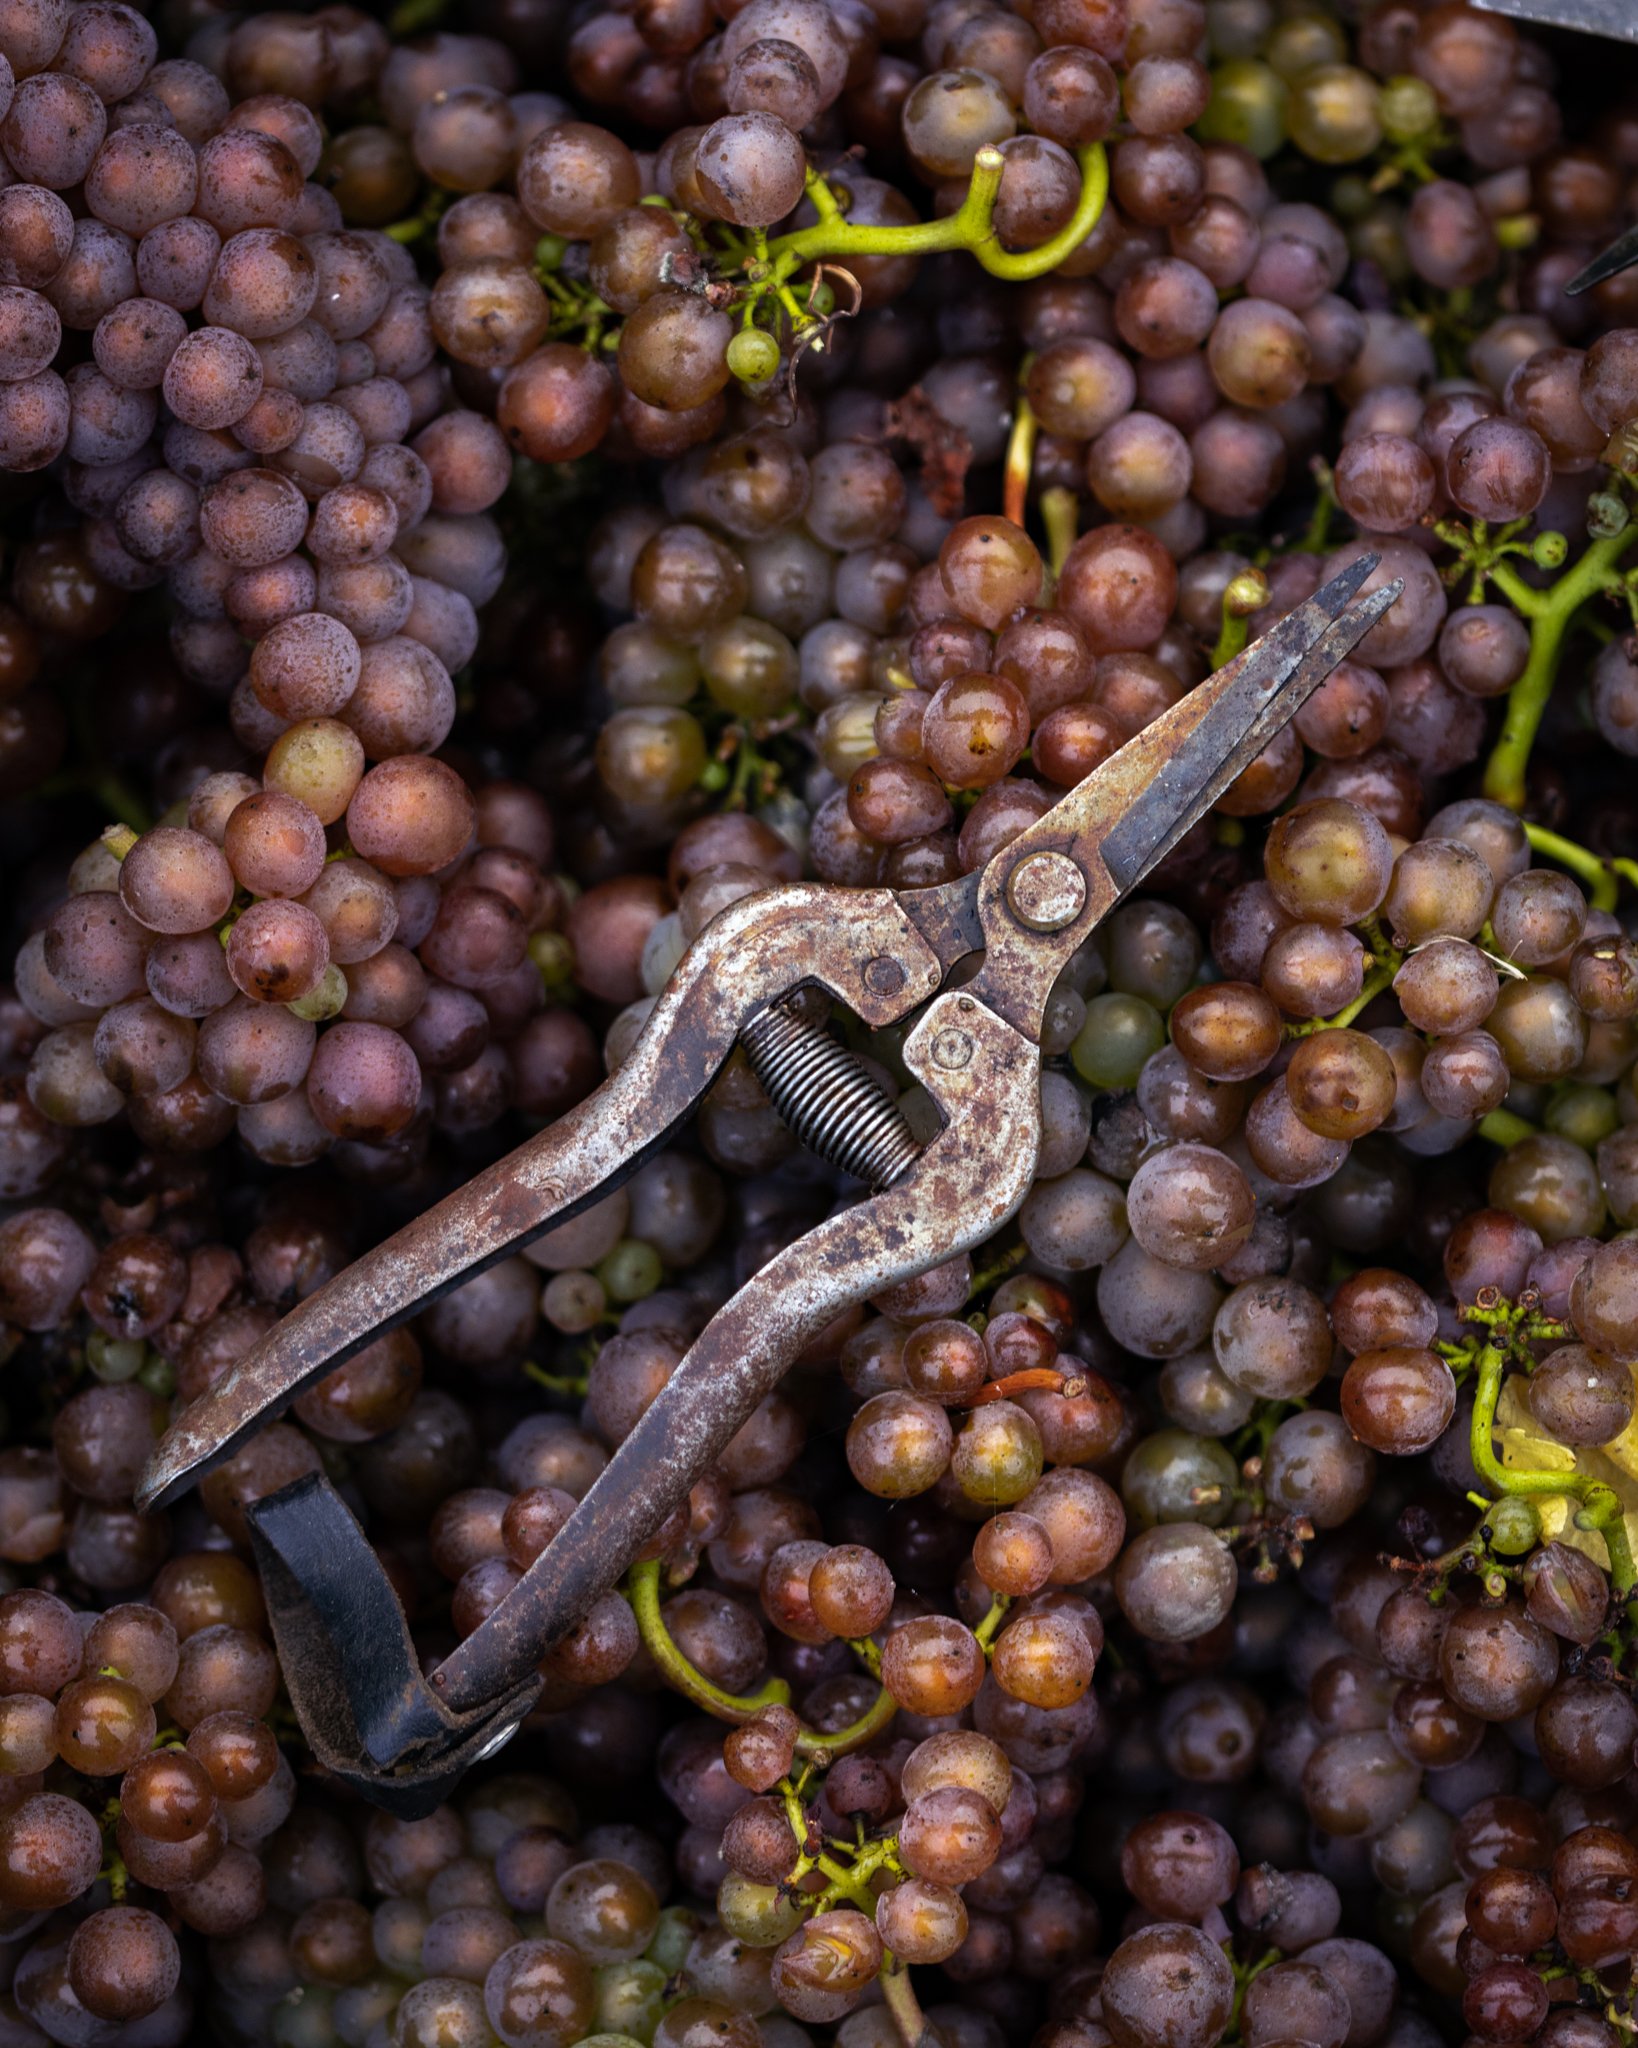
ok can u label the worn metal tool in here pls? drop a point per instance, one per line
(354, 1678)
(1614, 18)
(1618, 21)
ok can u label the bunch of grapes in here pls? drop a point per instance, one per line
(476, 503)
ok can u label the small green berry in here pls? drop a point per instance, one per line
(1247, 593)
(1549, 551)
(1514, 1526)
(631, 1271)
(1408, 109)
(323, 1002)
(753, 356)
(113, 1359)
(553, 957)
(674, 1934)
(158, 1376)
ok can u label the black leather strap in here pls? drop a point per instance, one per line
(350, 1666)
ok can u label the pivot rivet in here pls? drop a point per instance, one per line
(1046, 891)
(952, 1049)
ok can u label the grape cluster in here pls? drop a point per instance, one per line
(477, 498)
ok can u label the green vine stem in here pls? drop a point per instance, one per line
(996, 1269)
(1061, 516)
(1245, 596)
(1020, 461)
(643, 1592)
(1379, 979)
(1602, 877)
(1600, 1510)
(1549, 613)
(902, 2003)
(990, 1627)
(834, 238)
(1503, 1128)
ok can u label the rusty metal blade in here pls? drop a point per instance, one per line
(1617, 19)
(1620, 255)
(1270, 686)
(1128, 813)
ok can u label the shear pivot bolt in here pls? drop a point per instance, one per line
(883, 976)
(1046, 891)
(952, 1049)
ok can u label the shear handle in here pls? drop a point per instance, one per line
(349, 1661)
(358, 1691)
(857, 943)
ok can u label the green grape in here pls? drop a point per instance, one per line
(630, 2000)
(1119, 1034)
(1335, 117)
(1248, 106)
(631, 1271)
(554, 957)
(1407, 109)
(750, 668)
(753, 356)
(322, 1003)
(113, 1359)
(1549, 550)
(1582, 1113)
(158, 1376)
(674, 1934)
(1302, 43)
(573, 1302)
(757, 1914)
(1175, 1476)
(1514, 1526)
(997, 1456)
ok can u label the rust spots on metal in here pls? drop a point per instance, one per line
(963, 1187)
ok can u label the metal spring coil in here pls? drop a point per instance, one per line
(828, 1098)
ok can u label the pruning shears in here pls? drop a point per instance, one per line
(356, 1683)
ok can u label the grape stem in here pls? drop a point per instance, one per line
(1317, 538)
(571, 1384)
(1380, 978)
(990, 1627)
(1503, 1128)
(1245, 1975)
(1602, 877)
(970, 227)
(902, 2003)
(1034, 1379)
(1061, 516)
(1245, 596)
(997, 1270)
(643, 1592)
(1020, 460)
(1600, 1509)
(1550, 613)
